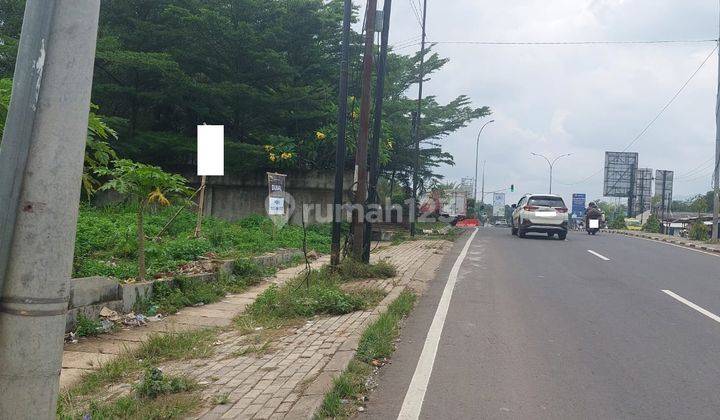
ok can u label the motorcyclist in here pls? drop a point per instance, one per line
(593, 212)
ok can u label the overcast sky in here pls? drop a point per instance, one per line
(582, 100)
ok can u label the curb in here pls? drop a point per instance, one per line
(669, 240)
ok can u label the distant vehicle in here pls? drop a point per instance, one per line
(540, 213)
(501, 223)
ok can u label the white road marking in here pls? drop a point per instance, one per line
(692, 305)
(418, 385)
(598, 255)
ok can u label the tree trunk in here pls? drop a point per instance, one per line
(141, 242)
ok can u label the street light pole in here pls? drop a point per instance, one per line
(477, 154)
(551, 164)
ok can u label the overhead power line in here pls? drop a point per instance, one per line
(657, 116)
(551, 43)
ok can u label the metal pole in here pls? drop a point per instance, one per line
(377, 124)
(36, 290)
(477, 155)
(417, 121)
(551, 171)
(201, 207)
(361, 155)
(716, 180)
(342, 125)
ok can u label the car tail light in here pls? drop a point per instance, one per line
(530, 208)
(561, 209)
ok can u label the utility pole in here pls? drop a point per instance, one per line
(477, 156)
(377, 124)
(416, 124)
(41, 163)
(342, 125)
(361, 156)
(482, 189)
(716, 180)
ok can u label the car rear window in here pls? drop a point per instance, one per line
(546, 201)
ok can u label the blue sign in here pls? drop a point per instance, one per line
(578, 205)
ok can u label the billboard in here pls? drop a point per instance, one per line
(578, 205)
(643, 191)
(499, 204)
(620, 168)
(663, 189)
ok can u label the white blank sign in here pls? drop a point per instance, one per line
(594, 224)
(210, 150)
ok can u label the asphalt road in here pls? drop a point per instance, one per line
(540, 328)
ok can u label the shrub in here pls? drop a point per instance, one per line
(617, 223)
(351, 269)
(699, 232)
(652, 225)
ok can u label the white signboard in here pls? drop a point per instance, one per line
(499, 204)
(210, 150)
(276, 206)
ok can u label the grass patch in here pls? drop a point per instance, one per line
(351, 269)
(106, 243)
(171, 406)
(158, 349)
(376, 342)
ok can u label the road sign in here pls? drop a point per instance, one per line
(578, 205)
(498, 204)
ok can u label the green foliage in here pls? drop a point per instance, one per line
(617, 223)
(98, 153)
(5, 89)
(169, 406)
(346, 387)
(188, 291)
(699, 232)
(106, 240)
(145, 183)
(653, 224)
(87, 327)
(154, 384)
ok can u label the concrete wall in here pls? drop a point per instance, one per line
(232, 197)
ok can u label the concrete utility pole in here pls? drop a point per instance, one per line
(416, 124)
(41, 164)
(361, 156)
(716, 176)
(377, 124)
(342, 125)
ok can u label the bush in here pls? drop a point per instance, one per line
(652, 225)
(188, 291)
(699, 232)
(617, 223)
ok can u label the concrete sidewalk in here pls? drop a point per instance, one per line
(291, 378)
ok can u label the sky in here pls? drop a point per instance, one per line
(582, 100)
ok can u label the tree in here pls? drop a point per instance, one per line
(699, 205)
(145, 184)
(653, 224)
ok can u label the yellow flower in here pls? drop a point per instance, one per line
(320, 135)
(268, 148)
(272, 157)
(286, 155)
(354, 115)
(390, 144)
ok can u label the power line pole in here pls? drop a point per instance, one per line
(482, 189)
(361, 156)
(43, 144)
(416, 124)
(342, 125)
(377, 124)
(716, 180)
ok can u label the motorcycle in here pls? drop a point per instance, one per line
(593, 225)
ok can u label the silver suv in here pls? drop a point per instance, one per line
(540, 213)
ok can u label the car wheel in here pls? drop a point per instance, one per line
(562, 236)
(521, 233)
(514, 231)
(550, 235)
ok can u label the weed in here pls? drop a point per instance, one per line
(87, 327)
(378, 339)
(154, 384)
(351, 269)
(221, 399)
